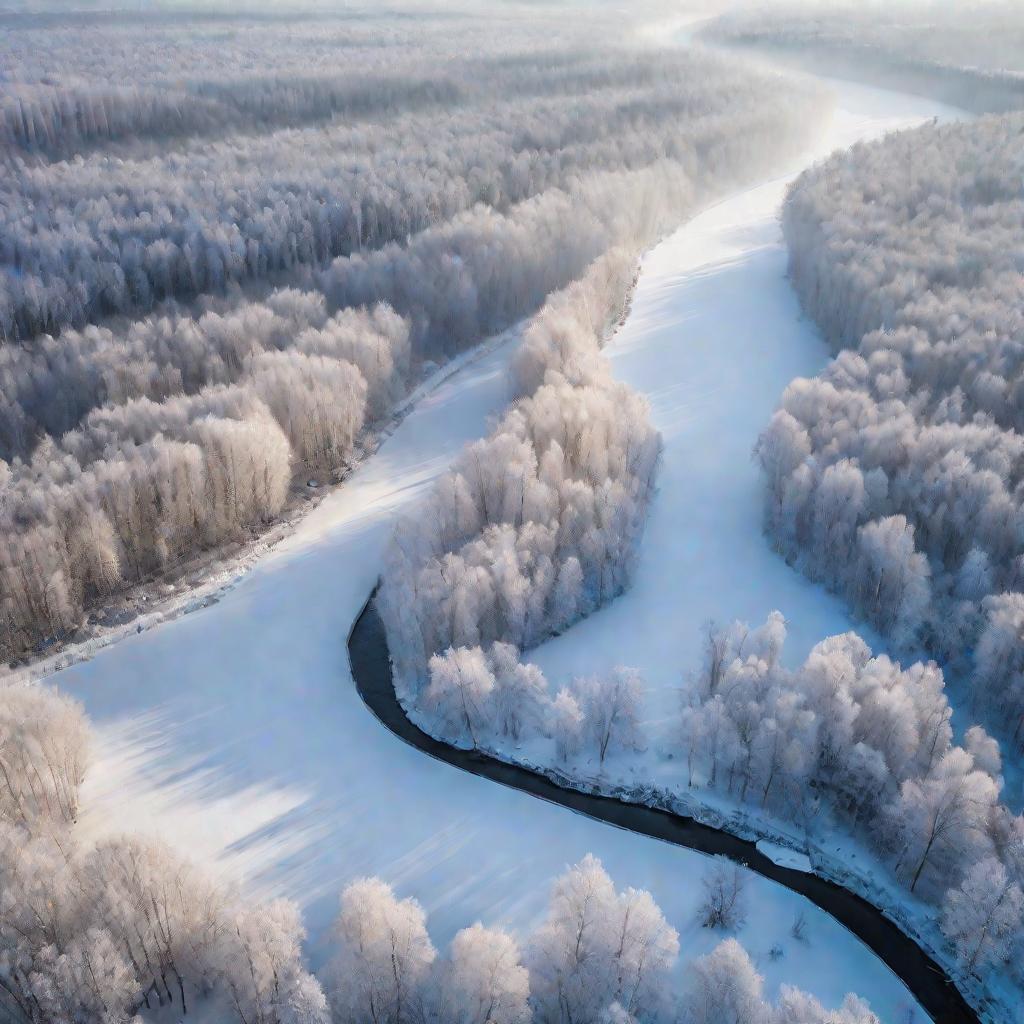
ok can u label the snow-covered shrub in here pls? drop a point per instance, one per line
(983, 916)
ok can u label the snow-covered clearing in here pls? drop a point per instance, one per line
(714, 336)
(236, 731)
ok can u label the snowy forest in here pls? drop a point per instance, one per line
(895, 476)
(191, 328)
(215, 285)
(848, 741)
(537, 525)
(241, 250)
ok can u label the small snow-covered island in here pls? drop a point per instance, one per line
(512, 512)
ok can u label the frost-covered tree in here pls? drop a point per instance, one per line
(460, 697)
(982, 917)
(566, 724)
(723, 988)
(985, 752)
(531, 528)
(796, 1007)
(598, 948)
(90, 979)
(724, 902)
(475, 696)
(320, 403)
(611, 707)
(384, 956)
(262, 968)
(165, 914)
(943, 817)
(568, 956)
(644, 950)
(44, 751)
(521, 693)
(483, 981)
(999, 660)
(891, 577)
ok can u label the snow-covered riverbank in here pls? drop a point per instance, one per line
(236, 733)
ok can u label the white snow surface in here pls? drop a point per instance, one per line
(784, 856)
(236, 732)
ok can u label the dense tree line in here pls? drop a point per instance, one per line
(63, 120)
(854, 739)
(368, 250)
(205, 71)
(599, 957)
(140, 484)
(104, 233)
(52, 388)
(538, 524)
(966, 54)
(895, 477)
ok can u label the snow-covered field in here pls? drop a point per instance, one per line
(236, 731)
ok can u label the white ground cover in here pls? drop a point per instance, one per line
(236, 731)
